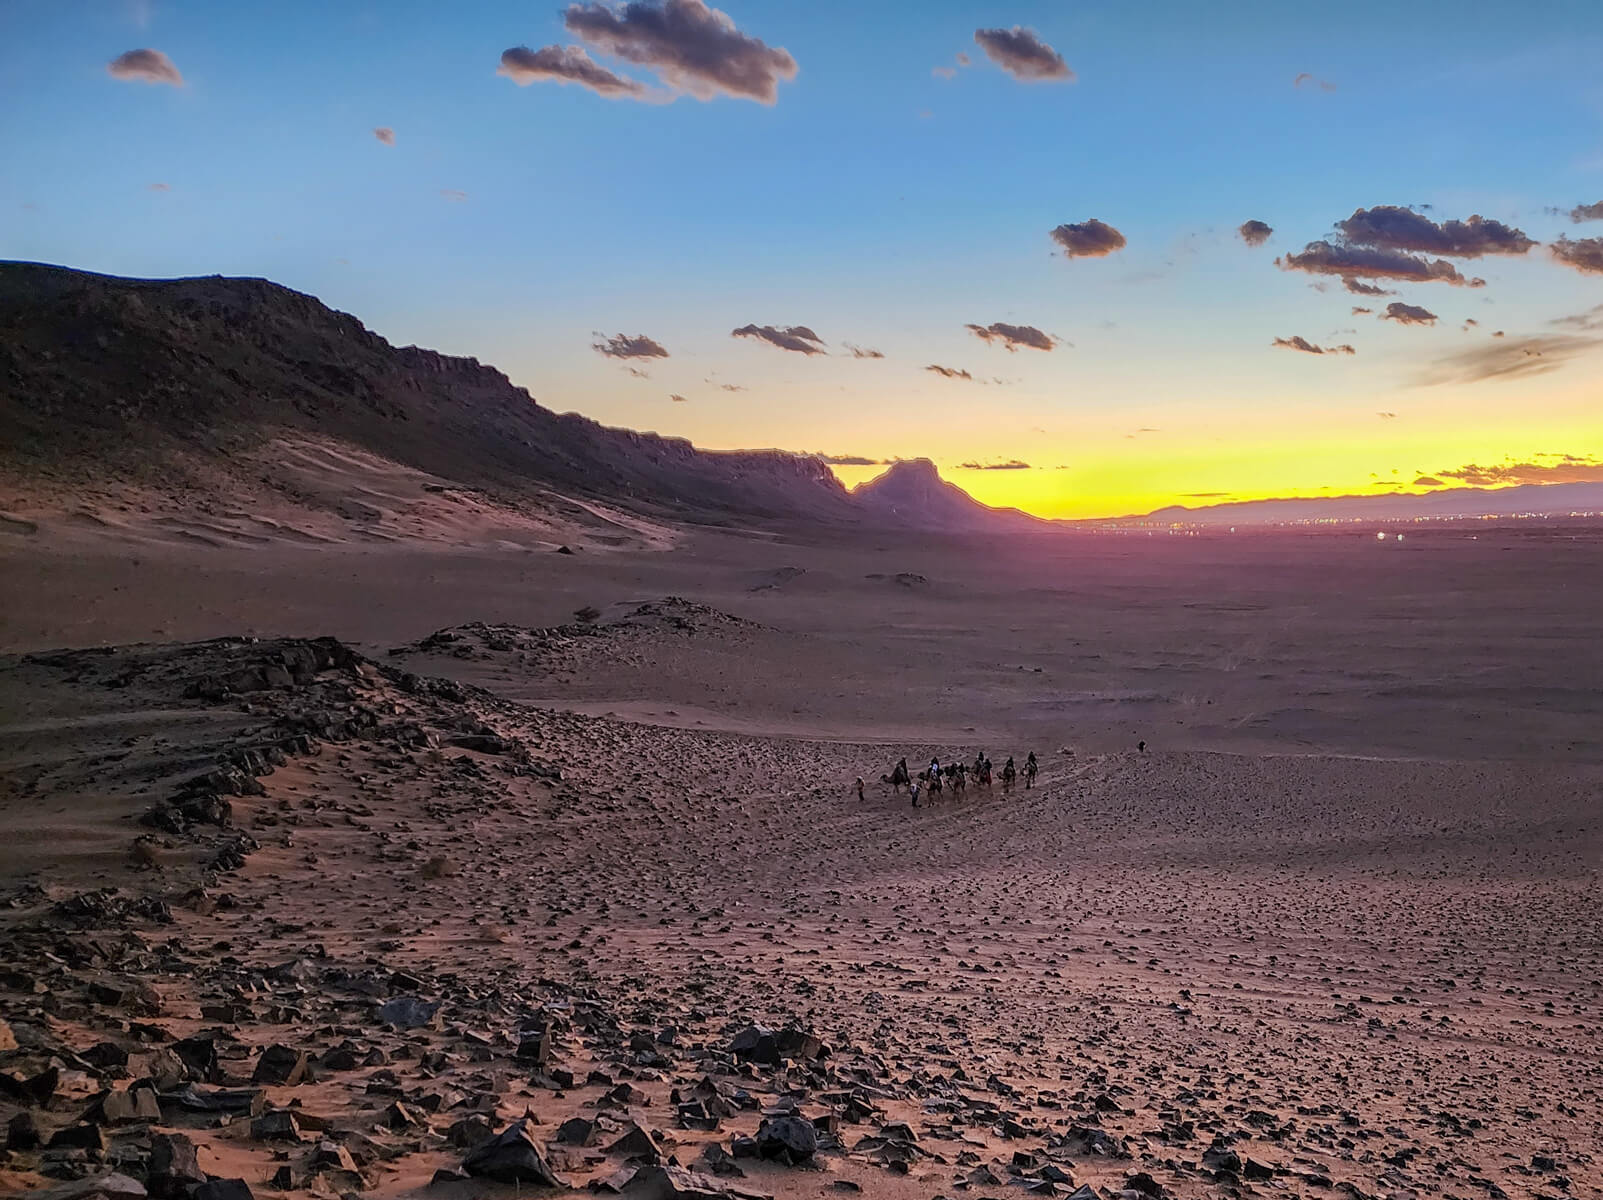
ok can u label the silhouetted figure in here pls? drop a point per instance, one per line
(1009, 774)
(899, 778)
(1030, 768)
(1141, 746)
(859, 789)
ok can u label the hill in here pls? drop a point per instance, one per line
(1531, 499)
(912, 492)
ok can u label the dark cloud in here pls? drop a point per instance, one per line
(623, 346)
(1584, 254)
(950, 372)
(1570, 468)
(1296, 342)
(1010, 465)
(1361, 312)
(1587, 212)
(694, 48)
(385, 134)
(1408, 314)
(1022, 54)
(862, 351)
(1389, 227)
(852, 460)
(145, 66)
(677, 398)
(1512, 358)
(565, 64)
(1254, 233)
(1088, 239)
(790, 337)
(1359, 288)
(1387, 416)
(1013, 336)
(1304, 78)
(1354, 262)
(1429, 481)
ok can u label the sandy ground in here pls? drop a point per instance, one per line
(1336, 932)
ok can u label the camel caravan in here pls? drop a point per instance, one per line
(935, 782)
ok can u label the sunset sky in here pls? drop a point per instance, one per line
(765, 229)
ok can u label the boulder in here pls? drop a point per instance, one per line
(282, 1065)
(409, 1012)
(513, 1156)
(676, 1183)
(787, 1139)
(174, 1166)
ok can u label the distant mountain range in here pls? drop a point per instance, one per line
(130, 380)
(1531, 499)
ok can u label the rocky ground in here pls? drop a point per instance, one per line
(281, 918)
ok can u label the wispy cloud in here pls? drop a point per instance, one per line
(950, 372)
(1587, 212)
(1592, 318)
(677, 398)
(160, 187)
(1297, 342)
(862, 351)
(1408, 314)
(1012, 337)
(853, 460)
(623, 346)
(1011, 465)
(1509, 358)
(1306, 79)
(566, 64)
(797, 338)
(145, 66)
(1088, 239)
(1390, 227)
(1584, 254)
(385, 134)
(1255, 233)
(1022, 54)
(693, 48)
(453, 195)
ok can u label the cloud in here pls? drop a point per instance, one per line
(1296, 342)
(1350, 262)
(1584, 254)
(1088, 239)
(623, 346)
(677, 398)
(1011, 465)
(1303, 78)
(731, 387)
(145, 66)
(1013, 336)
(790, 337)
(1570, 468)
(950, 372)
(565, 64)
(161, 187)
(1361, 312)
(385, 134)
(1592, 318)
(1587, 212)
(1429, 481)
(1022, 54)
(1359, 288)
(693, 48)
(1388, 227)
(862, 351)
(852, 460)
(1511, 358)
(1408, 314)
(1387, 416)
(1254, 233)
(453, 195)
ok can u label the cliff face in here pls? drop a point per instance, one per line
(106, 374)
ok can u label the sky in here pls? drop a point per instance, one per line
(1160, 252)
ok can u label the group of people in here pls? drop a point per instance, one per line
(936, 780)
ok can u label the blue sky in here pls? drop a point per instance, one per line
(877, 204)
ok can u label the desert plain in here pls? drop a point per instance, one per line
(328, 860)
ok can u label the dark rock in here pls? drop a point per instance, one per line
(409, 1012)
(282, 1065)
(277, 1126)
(513, 1156)
(475, 1131)
(787, 1139)
(676, 1183)
(535, 1049)
(1140, 1181)
(123, 1107)
(575, 1131)
(174, 1166)
(78, 1137)
(22, 1133)
(223, 1189)
(1220, 1157)
(637, 1142)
